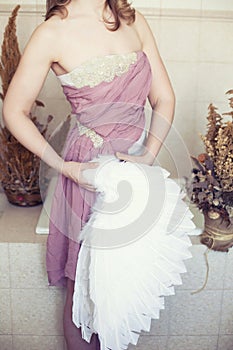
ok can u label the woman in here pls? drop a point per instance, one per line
(108, 63)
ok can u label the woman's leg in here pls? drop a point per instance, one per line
(72, 334)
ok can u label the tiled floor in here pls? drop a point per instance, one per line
(33, 311)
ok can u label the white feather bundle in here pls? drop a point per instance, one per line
(129, 258)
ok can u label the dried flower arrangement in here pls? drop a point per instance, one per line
(211, 185)
(20, 170)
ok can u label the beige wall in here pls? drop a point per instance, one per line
(187, 4)
(197, 48)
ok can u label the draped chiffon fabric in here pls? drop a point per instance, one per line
(115, 110)
(123, 262)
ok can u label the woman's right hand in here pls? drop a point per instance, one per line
(73, 170)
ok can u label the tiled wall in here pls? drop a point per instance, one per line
(190, 4)
(31, 313)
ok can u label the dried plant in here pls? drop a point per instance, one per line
(19, 168)
(211, 185)
(10, 52)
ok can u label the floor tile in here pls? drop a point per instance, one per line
(192, 343)
(37, 312)
(195, 314)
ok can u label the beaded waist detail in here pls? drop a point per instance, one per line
(96, 139)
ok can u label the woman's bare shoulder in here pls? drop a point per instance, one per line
(49, 29)
(45, 37)
(141, 24)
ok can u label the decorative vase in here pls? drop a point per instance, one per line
(23, 198)
(218, 232)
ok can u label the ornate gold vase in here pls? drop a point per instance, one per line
(218, 232)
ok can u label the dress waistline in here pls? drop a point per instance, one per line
(96, 139)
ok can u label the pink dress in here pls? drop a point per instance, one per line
(106, 94)
(124, 249)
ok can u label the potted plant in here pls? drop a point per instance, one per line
(211, 185)
(21, 174)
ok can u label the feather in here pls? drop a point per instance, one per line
(128, 282)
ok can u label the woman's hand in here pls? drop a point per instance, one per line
(146, 158)
(73, 170)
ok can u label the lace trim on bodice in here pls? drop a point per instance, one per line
(99, 69)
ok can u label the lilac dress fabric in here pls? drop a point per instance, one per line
(115, 110)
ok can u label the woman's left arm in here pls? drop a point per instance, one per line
(161, 97)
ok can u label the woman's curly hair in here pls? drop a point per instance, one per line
(120, 9)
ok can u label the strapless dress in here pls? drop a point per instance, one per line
(125, 244)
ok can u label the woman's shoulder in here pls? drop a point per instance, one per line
(142, 28)
(50, 29)
(141, 23)
(45, 37)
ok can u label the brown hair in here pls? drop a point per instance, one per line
(120, 9)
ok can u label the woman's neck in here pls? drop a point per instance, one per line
(88, 6)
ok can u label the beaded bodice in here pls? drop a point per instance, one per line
(99, 69)
(106, 79)
(107, 95)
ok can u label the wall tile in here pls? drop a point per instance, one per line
(52, 87)
(183, 119)
(155, 24)
(41, 10)
(150, 342)
(181, 4)
(225, 5)
(4, 266)
(168, 161)
(37, 312)
(217, 47)
(23, 2)
(214, 79)
(207, 4)
(175, 152)
(59, 108)
(228, 281)
(202, 113)
(27, 265)
(196, 269)
(179, 40)
(6, 342)
(183, 76)
(195, 314)
(192, 342)
(5, 312)
(26, 23)
(40, 2)
(226, 326)
(148, 3)
(225, 342)
(21, 342)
